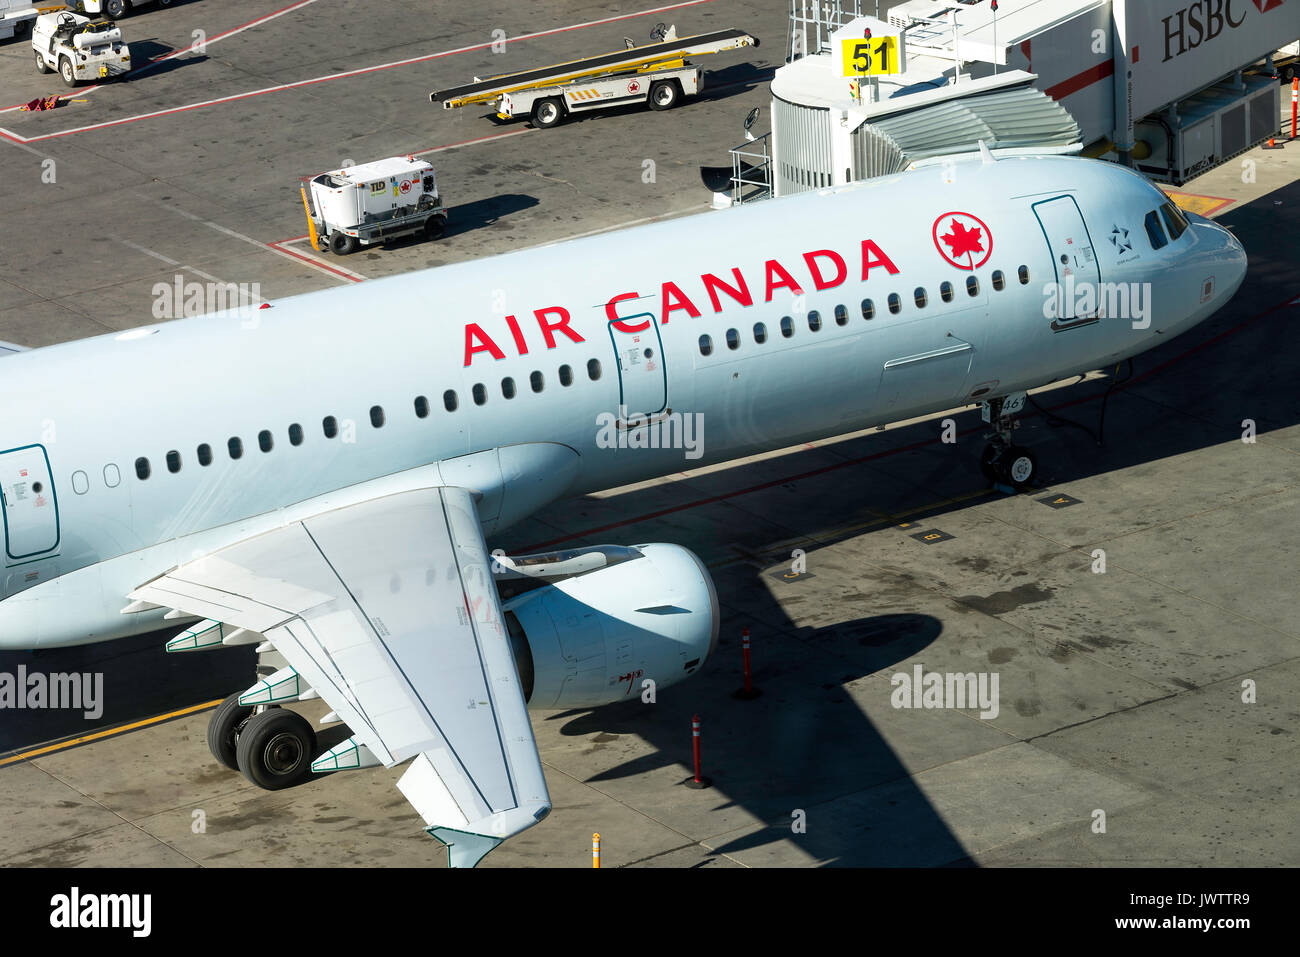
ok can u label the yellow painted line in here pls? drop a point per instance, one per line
(106, 733)
(1196, 203)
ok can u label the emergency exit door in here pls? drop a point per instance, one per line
(1073, 258)
(30, 510)
(643, 380)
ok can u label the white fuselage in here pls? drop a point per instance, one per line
(373, 357)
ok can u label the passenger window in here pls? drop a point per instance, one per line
(787, 326)
(236, 448)
(264, 441)
(1024, 275)
(814, 320)
(593, 369)
(537, 382)
(920, 297)
(205, 454)
(566, 376)
(1154, 232)
(421, 408)
(377, 416)
(972, 286)
(1174, 220)
(173, 462)
(329, 425)
(841, 316)
(295, 434)
(142, 469)
(945, 291)
(706, 346)
(999, 280)
(733, 339)
(760, 333)
(508, 387)
(868, 309)
(480, 393)
(449, 400)
(895, 303)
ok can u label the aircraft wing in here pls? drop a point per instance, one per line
(8, 349)
(387, 609)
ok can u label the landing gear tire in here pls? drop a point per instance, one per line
(664, 95)
(1018, 467)
(224, 727)
(547, 113)
(275, 749)
(989, 462)
(341, 244)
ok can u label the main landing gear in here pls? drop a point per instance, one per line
(1002, 461)
(269, 745)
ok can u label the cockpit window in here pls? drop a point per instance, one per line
(1174, 220)
(1154, 231)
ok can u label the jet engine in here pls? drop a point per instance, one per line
(595, 623)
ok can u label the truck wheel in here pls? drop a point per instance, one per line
(65, 71)
(41, 65)
(164, 3)
(664, 95)
(435, 227)
(116, 9)
(547, 112)
(341, 244)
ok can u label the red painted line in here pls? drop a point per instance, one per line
(713, 499)
(279, 247)
(348, 73)
(1085, 79)
(175, 53)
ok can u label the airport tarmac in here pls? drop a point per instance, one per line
(1120, 692)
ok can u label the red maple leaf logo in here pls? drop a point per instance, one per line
(963, 241)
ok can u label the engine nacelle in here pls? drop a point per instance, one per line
(593, 638)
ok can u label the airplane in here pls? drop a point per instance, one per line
(321, 475)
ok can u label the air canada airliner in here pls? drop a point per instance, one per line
(320, 476)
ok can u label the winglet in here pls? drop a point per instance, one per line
(464, 849)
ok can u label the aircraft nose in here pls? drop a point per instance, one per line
(1227, 252)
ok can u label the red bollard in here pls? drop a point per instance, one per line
(699, 781)
(1295, 104)
(749, 692)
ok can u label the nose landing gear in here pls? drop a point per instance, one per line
(1002, 461)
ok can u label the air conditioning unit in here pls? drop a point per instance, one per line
(1211, 128)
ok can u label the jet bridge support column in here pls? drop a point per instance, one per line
(1123, 83)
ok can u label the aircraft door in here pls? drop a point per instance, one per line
(30, 507)
(642, 377)
(1073, 256)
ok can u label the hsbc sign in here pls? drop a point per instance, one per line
(1177, 47)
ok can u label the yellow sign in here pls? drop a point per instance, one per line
(875, 57)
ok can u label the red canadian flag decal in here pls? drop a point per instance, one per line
(963, 240)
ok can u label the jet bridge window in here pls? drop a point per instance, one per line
(537, 382)
(235, 447)
(1174, 220)
(733, 338)
(566, 375)
(508, 387)
(1154, 231)
(760, 333)
(945, 291)
(421, 407)
(593, 369)
(205, 454)
(264, 441)
(706, 346)
(173, 461)
(787, 326)
(449, 400)
(329, 425)
(480, 393)
(814, 320)
(895, 303)
(142, 469)
(868, 309)
(295, 434)
(377, 416)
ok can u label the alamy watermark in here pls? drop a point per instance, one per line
(76, 691)
(1072, 301)
(933, 689)
(184, 299)
(672, 430)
